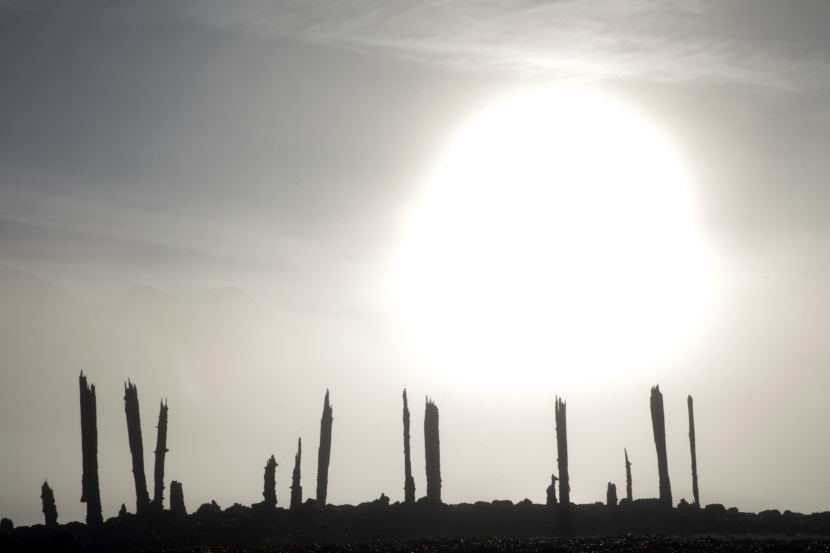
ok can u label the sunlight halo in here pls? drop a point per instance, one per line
(554, 242)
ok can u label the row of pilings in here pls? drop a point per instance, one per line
(90, 492)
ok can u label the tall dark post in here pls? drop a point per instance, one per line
(690, 403)
(432, 449)
(658, 423)
(562, 462)
(90, 491)
(269, 489)
(628, 494)
(177, 498)
(142, 498)
(562, 453)
(324, 452)
(50, 512)
(161, 450)
(296, 488)
(408, 481)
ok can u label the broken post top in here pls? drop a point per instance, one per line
(405, 412)
(657, 407)
(90, 388)
(430, 411)
(657, 414)
(327, 411)
(46, 490)
(130, 395)
(162, 424)
(655, 392)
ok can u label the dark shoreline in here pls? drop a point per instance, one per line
(378, 526)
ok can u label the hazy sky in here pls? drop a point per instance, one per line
(250, 165)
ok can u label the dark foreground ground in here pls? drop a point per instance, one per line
(617, 544)
(499, 526)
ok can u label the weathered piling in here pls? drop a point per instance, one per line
(690, 404)
(562, 452)
(296, 488)
(628, 493)
(269, 487)
(142, 498)
(432, 449)
(611, 495)
(562, 464)
(177, 498)
(161, 451)
(658, 423)
(408, 480)
(551, 491)
(324, 452)
(47, 497)
(90, 490)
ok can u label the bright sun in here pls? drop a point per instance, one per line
(555, 243)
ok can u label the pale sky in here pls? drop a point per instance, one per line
(208, 198)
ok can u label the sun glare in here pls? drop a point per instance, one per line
(554, 242)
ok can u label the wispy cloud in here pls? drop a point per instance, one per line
(761, 42)
(765, 42)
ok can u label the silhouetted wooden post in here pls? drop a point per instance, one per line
(408, 481)
(432, 449)
(177, 498)
(562, 452)
(161, 450)
(142, 498)
(324, 452)
(690, 403)
(658, 423)
(562, 463)
(47, 497)
(628, 493)
(269, 488)
(296, 488)
(551, 491)
(611, 495)
(90, 490)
